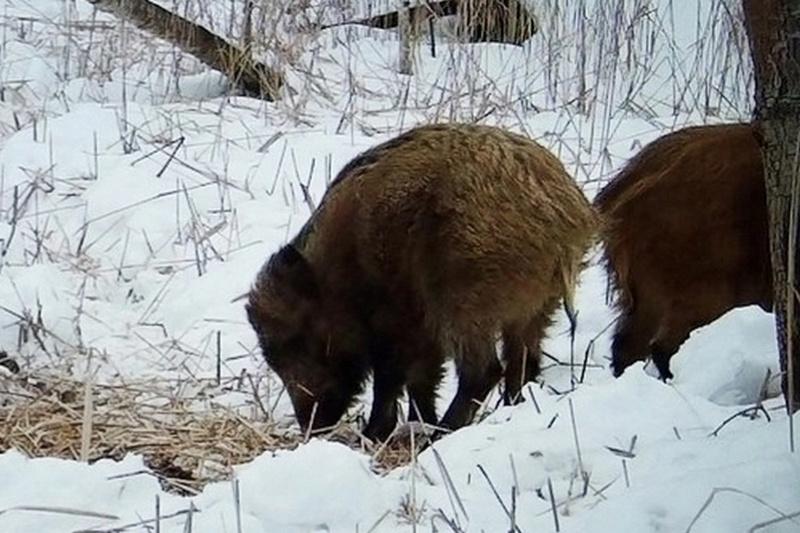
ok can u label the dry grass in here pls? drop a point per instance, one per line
(185, 447)
(186, 441)
(396, 453)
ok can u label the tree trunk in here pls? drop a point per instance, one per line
(256, 79)
(773, 31)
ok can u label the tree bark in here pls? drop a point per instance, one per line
(253, 77)
(773, 29)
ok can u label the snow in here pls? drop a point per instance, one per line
(137, 202)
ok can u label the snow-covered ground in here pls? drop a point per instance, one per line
(137, 202)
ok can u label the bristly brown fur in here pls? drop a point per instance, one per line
(424, 247)
(686, 238)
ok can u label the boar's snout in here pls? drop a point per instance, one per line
(316, 410)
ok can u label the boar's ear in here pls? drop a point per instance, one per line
(254, 316)
(292, 270)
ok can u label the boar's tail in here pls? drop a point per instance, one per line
(569, 280)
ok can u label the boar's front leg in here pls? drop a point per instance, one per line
(425, 372)
(387, 386)
(415, 361)
(478, 371)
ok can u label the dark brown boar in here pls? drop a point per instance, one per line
(686, 239)
(424, 247)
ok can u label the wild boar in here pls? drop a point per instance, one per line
(424, 247)
(686, 239)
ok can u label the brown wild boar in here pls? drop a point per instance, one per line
(686, 239)
(424, 247)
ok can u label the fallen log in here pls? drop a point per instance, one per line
(253, 77)
(500, 21)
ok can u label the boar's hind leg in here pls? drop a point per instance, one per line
(667, 342)
(522, 352)
(631, 341)
(515, 354)
(478, 371)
